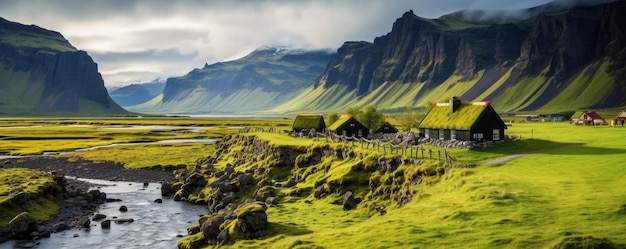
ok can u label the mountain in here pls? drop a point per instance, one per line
(41, 73)
(260, 80)
(136, 94)
(548, 59)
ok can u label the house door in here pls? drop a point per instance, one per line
(452, 135)
(496, 134)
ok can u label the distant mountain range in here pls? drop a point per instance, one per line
(136, 94)
(563, 56)
(41, 73)
(259, 81)
(544, 59)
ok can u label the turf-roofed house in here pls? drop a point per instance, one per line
(476, 121)
(307, 122)
(386, 128)
(349, 126)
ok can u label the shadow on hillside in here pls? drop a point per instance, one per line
(290, 228)
(538, 146)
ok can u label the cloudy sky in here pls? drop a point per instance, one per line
(139, 40)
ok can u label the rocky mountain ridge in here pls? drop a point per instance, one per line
(554, 61)
(42, 73)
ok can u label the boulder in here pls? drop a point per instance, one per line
(96, 196)
(229, 169)
(290, 183)
(22, 225)
(105, 224)
(349, 202)
(211, 229)
(166, 189)
(252, 220)
(123, 208)
(83, 222)
(124, 220)
(98, 217)
(223, 238)
(271, 201)
(193, 230)
(319, 191)
(245, 179)
(158, 201)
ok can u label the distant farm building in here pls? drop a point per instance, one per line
(349, 126)
(386, 128)
(307, 122)
(476, 121)
(589, 118)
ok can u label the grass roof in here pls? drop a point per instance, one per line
(387, 127)
(463, 118)
(338, 123)
(308, 121)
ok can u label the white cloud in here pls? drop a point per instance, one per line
(163, 37)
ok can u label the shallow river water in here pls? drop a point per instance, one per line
(156, 225)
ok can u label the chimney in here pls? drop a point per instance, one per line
(455, 103)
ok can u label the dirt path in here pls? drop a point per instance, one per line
(506, 159)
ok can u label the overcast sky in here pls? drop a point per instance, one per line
(138, 40)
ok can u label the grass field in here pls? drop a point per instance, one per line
(572, 186)
(568, 182)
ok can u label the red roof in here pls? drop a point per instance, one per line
(592, 115)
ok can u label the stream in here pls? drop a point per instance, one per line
(156, 225)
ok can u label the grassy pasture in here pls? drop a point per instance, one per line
(35, 136)
(568, 182)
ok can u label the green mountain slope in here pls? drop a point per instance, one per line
(258, 81)
(41, 73)
(555, 60)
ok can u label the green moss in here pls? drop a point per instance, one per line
(303, 121)
(250, 208)
(192, 242)
(439, 117)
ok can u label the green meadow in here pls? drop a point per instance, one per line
(558, 183)
(566, 183)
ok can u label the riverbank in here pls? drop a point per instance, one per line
(87, 169)
(75, 203)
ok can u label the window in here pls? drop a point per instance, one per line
(478, 136)
(496, 134)
(441, 135)
(360, 133)
(427, 133)
(452, 135)
(344, 132)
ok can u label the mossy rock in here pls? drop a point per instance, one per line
(586, 242)
(192, 242)
(250, 208)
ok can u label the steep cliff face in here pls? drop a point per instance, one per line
(258, 81)
(554, 60)
(43, 74)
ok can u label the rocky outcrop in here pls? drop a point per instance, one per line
(60, 78)
(23, 226)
